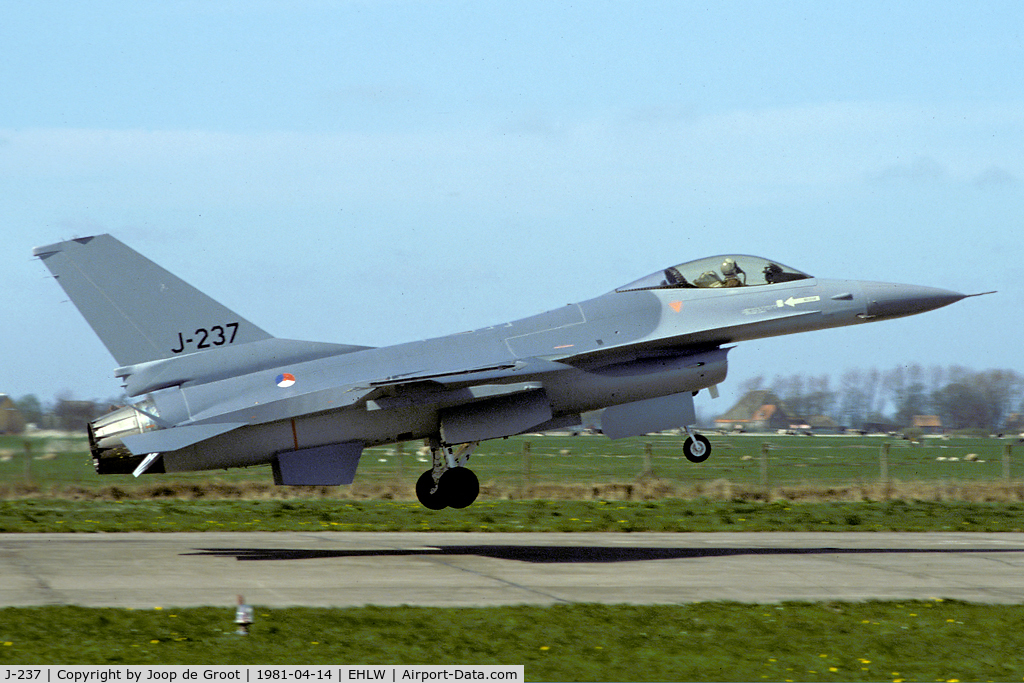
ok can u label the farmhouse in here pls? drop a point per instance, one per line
(823, 424)
(1015, 423)
(11, 419)
(929, 424)
(758, 411)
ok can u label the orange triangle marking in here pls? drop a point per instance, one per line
(676, 305)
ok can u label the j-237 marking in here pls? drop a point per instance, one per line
(215, 336)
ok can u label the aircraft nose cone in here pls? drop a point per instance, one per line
(886, 300)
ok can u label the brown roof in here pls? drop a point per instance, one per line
(757, 405)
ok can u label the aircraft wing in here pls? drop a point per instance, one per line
(479, 375)
(489, 388)
(447, 390)
(440, 387)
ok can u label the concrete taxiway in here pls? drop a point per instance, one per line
(143, 570)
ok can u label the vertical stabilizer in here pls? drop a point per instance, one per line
(140, 311)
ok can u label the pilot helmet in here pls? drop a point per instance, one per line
(730, 269)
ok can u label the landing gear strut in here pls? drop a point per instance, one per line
(449, 483)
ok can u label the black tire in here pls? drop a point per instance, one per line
(697, 448)
(431, 501)
(460, 486)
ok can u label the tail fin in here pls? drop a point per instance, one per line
(140, 311)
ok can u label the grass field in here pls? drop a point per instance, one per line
(591, 467)
(875, 641)
(814, 483)
(634, 485)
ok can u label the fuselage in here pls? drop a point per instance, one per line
(618, 348)
(214, 390)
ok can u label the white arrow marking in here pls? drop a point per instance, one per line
(793, 302)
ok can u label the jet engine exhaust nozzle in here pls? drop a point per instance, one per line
(106, 433)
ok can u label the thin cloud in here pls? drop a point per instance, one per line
(919, 170)
(995, 177)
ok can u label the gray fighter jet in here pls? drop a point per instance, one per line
(211, 390)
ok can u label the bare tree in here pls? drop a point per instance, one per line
(961, 397)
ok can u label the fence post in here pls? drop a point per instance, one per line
(883, 467)
(526, 462)
(648, 464)
(765, 447)
(28, 460)
(1006, 462)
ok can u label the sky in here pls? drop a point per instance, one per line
(375, 172)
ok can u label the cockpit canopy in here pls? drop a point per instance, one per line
(718, 271)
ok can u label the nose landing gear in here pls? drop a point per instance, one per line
(696, 448)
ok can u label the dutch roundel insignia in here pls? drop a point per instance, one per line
(285, 379)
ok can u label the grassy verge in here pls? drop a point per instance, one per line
(928, 641)
(57, 515)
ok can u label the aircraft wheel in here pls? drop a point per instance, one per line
(697, 448)
(431, 501)
(461, 486)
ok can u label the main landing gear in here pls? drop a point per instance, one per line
(449, 483)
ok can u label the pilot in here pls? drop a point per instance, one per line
(708, 279)
(732, 273)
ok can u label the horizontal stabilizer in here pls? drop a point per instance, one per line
(174, 438)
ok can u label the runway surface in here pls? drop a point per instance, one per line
(142, 570)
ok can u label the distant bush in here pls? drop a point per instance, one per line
(970, 432)
(913, 433)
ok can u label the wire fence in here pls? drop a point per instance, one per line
(538, 466)
(764, 461)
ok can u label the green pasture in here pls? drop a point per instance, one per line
(932, 640)
(54, 489)
(521, 462)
